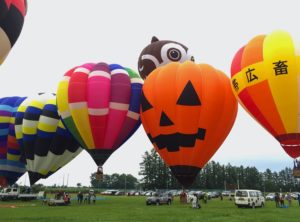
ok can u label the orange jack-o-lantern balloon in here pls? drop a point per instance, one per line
(187, 111)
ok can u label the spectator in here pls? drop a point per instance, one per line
(289, 198)
(86, 198)
(282, 196)
(79, 197)
(205, 197)
(277, 199)
(194, 200)
(299, 199)
(183, 197)
(93, 198)
(66, 198)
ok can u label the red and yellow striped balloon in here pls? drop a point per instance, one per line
(265, 78)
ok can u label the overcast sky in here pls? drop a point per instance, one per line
(60, 34)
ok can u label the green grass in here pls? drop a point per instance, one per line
(135, 209)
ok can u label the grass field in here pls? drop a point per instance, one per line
(134, 209)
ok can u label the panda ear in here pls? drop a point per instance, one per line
(154, 39)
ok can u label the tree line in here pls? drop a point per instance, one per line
(156, 175)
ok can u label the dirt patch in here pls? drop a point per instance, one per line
(7, 206)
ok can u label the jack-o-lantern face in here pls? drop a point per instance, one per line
(187, 111)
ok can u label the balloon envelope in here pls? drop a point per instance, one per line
(12, 13)
(99, 104)
(11, 168)
(159, 53)
(45, 143)
(188, 118)
(265, 79)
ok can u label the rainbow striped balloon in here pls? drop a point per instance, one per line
(99, 104)
(265, 78)
(46, 144)
(11, 168)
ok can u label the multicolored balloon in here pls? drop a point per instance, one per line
(187, 111)
(12, 13)
(265, 79)
(45, 143)
(11, 168)
(161, 52)
(99, 104)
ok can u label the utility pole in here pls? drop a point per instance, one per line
(67, 180)
(25, 180)
(125, 184)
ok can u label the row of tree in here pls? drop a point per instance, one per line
(156, 175)
(115, 181)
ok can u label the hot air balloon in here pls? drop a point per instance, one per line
(11, 168)
(46, 145)
(99, 104)
(188, 118)
(265, 80)
(161, 52)
(12, 13)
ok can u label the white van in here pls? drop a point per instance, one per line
(249, 198)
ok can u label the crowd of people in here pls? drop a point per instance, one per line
(86, 198)
(63, 196)
(281, 197)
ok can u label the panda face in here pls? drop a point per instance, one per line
(160, 53)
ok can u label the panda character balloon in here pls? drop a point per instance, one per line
(161, 52)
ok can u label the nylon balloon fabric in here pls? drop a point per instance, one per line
(159, 53)
(187, 111)
(265, 79)
(45, 143)
(12, 13)
(99, 104)
(11, 168)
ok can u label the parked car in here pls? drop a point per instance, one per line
(226, 193)
(164, 199)
(109, 192)
(119, 193)
(149, 193)
(270, 196)
(12, 193)
(214, 194)
(249, 198)
(295, 195)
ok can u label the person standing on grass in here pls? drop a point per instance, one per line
(93, 198)
(299, 199)
(79, 197)
(205, 197)
(289, 198)
(282, 196)
(276, 198)
(195, 202)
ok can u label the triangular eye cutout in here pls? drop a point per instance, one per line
(164, 120)
(189, 96)
(145, 103)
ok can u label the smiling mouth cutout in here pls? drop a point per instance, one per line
(176, 140)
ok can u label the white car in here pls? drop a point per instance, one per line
(249, 198)
(270, 196)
